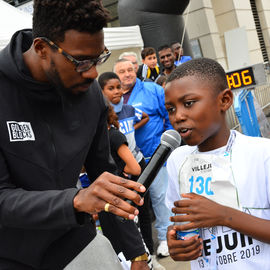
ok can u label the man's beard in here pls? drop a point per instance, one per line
(67, 94)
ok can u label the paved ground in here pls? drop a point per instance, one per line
(169, 264)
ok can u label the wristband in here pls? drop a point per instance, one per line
(143, 257)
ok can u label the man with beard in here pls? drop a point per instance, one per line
(52, 122)
(166, 58)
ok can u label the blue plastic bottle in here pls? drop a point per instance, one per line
(185, 235)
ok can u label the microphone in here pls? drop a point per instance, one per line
(169, 140)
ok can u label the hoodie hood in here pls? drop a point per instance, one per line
(12, 66)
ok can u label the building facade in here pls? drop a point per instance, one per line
(226, 29)
(236, 33)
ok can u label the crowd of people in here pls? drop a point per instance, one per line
(136, 96)
(72, 149)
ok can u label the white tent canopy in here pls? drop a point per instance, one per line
(13, 19)
(116, 38)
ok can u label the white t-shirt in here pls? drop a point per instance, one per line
(251, 169)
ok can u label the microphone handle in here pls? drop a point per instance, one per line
(152, 168)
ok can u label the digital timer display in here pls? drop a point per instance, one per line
(240, 78)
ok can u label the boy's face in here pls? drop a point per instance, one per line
(113, 91)
(197, 111)
(150, 60)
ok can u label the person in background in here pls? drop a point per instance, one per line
(53, 121)
(161, 81)
(149, 70)
(222, 175)
(131, 56)
(124, 236)
(149, 97)
(179, 56)
(130, 119)
(166, 58)
(122, 156)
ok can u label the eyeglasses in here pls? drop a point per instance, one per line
(81, 66)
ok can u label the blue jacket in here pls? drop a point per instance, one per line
(149, 97)
(183, 59)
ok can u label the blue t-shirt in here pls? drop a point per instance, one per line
(127, 117)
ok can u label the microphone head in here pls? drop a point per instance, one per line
(171, 138)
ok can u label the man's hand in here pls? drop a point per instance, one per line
(183, 250)
(108, 188)
(142, 265)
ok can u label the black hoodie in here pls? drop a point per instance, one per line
(43, 144)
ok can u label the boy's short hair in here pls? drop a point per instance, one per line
(147, 51)
(105, 77)
(205, 68)
(53, 18)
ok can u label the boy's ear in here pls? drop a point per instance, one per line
(143, 61)
(226, 99)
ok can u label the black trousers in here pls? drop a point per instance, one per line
(145, 220)
(124, 234)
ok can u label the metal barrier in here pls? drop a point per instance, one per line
(262, 94)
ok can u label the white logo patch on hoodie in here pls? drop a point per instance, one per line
(20, 131)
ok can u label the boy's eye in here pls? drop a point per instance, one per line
(170, 110)
(189, 103)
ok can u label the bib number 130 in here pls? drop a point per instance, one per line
(200, 185)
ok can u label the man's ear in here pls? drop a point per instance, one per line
(40, 47)
(226, 99)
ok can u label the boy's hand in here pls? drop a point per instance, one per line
(183, 250)
(199, 211)
(108, 188)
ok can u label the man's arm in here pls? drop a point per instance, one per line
(45, 209)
